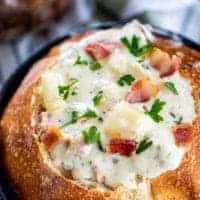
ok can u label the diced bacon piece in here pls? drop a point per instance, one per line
(165, 64)
(51, 137)
(100, 50)
(174, 66)
(182, 134)
(124, 147)
(141, 91)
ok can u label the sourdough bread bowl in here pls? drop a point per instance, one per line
(110, 114)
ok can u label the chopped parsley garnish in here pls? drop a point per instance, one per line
(89, 114)
(80, 61)
(176, 120)
(75, 116)
(93, 65)
(144, 145)
(91, 135)
(171, 86)
(65, 90)
(97, 99)
(155, 110)
(126, 80)
(134, 46)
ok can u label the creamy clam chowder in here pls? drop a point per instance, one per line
(114, 98)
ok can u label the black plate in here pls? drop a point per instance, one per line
(14, 81)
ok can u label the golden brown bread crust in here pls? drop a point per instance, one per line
(184, 183)
(32, 179)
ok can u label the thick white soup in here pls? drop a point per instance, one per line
(115, 98)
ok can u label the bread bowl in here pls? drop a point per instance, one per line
(133, 127)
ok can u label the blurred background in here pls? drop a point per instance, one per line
(28, 25)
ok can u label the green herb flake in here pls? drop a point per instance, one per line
(89, 114)
(155, 110)
(80, 61)
(144, 145)
(171, 87)
(91, 135)
(95, 65)
(134, 46)
(145, 50)
(65, 90)
(74, 118)
(126, 80)
(97, 99)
